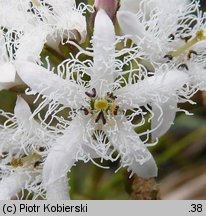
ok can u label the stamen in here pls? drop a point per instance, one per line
(101, 106)
(111, 95)
(169, 57)
(41, 149)
(103, 119)
(186, 39)
(36, 164)
(86, 111)
(98, 116)
(171, 37)
(93, 94)
(199, 37)
(3, 155)
(101, 116)
(183, 66)
(115, 109)
(49, 7)
(190, 53)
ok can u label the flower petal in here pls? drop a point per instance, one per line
(12, 184)
(3, 52)
(68, 21)
(14, 15)
(22, 110)
(153, 88)
(27, 51)
(133, 152)
(164, 115)
(50, 85)
(197, 76)
(63, 154)
(103, 72)
(130, 5)
(59, 190)
(131, 25)
(7, 72)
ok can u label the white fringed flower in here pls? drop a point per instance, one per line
(158, 26)
(100, 123)
(23, 145)
(51, 21)
(29, 25)
(170, 34)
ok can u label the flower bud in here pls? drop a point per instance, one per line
(110, 6)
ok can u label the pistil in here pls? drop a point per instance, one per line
(27, 160)
(200, 36)
(101, 104)
(36, 3)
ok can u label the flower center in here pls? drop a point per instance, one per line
(101, 108)
(28, 160)
(101, 104)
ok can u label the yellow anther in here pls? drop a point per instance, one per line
(16, 162)
(101, 104)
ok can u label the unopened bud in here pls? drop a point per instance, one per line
(110, 6)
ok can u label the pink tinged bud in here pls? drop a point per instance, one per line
(110, 6)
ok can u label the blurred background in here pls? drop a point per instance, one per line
(180, 156)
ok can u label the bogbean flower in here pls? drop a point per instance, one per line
(66, 19)
(177, 38)
(25, 30)
(25, 23)
(158, 26)
(22, 142)
(42, 21)
(104, 101)
(170, 35)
